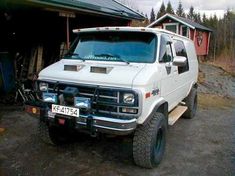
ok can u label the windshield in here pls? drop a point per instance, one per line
(114, 46)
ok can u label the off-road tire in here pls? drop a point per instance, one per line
(149, 142)
(52, 135)
(191, 103)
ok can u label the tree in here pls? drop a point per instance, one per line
(152, 16)
(146, 16)
(204, 19)
(222, 40)
(197, 18)
(215, 20)
(169, 8)
(162, 11)
(180, 10)
(191, 13)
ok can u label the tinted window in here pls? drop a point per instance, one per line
(181, 51)
(165, 50)
(115, 46)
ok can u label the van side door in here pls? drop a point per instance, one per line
(169, 72)
(183, 80)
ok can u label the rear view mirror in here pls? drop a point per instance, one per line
(179, 61)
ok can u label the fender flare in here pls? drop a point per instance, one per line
(193, 84)
(161, 106)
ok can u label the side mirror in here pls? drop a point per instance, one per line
(179, 61)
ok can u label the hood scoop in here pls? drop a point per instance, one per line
(75, 68)
(104, 70)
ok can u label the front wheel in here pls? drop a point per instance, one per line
(52, 134)
(149, 142)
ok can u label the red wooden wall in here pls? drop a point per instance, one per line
(201, 42)
(201, 38)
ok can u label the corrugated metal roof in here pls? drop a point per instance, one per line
(192, 23)
(185, 21)
(106, 7)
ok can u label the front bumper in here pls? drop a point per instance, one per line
(91, 123)
(107, 125)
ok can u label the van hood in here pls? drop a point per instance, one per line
(115, 74)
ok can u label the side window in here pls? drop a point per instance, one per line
(180, 50)
(165, 50)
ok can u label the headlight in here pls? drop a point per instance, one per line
(49, 97)
(82, 102)
(43, 86)
(128, 98)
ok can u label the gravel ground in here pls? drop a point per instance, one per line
(204, 145)
(216, 81)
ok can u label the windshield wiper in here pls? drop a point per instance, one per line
(124, 60)
(114, 56)
(75, 54)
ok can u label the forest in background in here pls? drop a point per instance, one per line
(222, 42)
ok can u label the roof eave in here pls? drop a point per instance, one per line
(208, 30)
(93, 11)
(176, 19)
(168, 15)
(142, 16)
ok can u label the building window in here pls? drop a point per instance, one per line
(173, 27)
(184, 31)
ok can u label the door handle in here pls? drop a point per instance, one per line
(168, 65)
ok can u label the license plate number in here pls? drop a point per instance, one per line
(64, 110)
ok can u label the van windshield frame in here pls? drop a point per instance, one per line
(116, 46)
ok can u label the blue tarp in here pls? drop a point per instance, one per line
(7, 82)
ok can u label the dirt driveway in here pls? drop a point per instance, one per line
(204, 145)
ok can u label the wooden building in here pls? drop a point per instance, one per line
(196, 32)
(36, 33)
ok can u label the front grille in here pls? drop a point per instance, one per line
(104, 101)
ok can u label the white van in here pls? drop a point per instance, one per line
(119, 80)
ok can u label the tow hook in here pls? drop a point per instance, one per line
(94, 134)
(89, 124)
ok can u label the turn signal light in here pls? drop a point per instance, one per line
(147, 95)
(129, 110)
(32, 110)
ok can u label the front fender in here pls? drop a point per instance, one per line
(148, 109)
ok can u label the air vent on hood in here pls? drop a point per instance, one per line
(73, 67)
(104, 70)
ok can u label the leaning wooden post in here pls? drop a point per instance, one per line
(67, 15)
(67, 31)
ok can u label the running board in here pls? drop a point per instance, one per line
(175, 114)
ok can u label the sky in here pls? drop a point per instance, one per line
(209, 7)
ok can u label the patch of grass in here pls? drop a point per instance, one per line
(201, 77)
(207, 100)
(229, 68)
(233, 74)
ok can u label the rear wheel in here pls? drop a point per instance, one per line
(149, 142)
(191, 103)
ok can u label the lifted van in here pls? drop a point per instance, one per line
(121, 81)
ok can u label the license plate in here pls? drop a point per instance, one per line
(64, 110)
